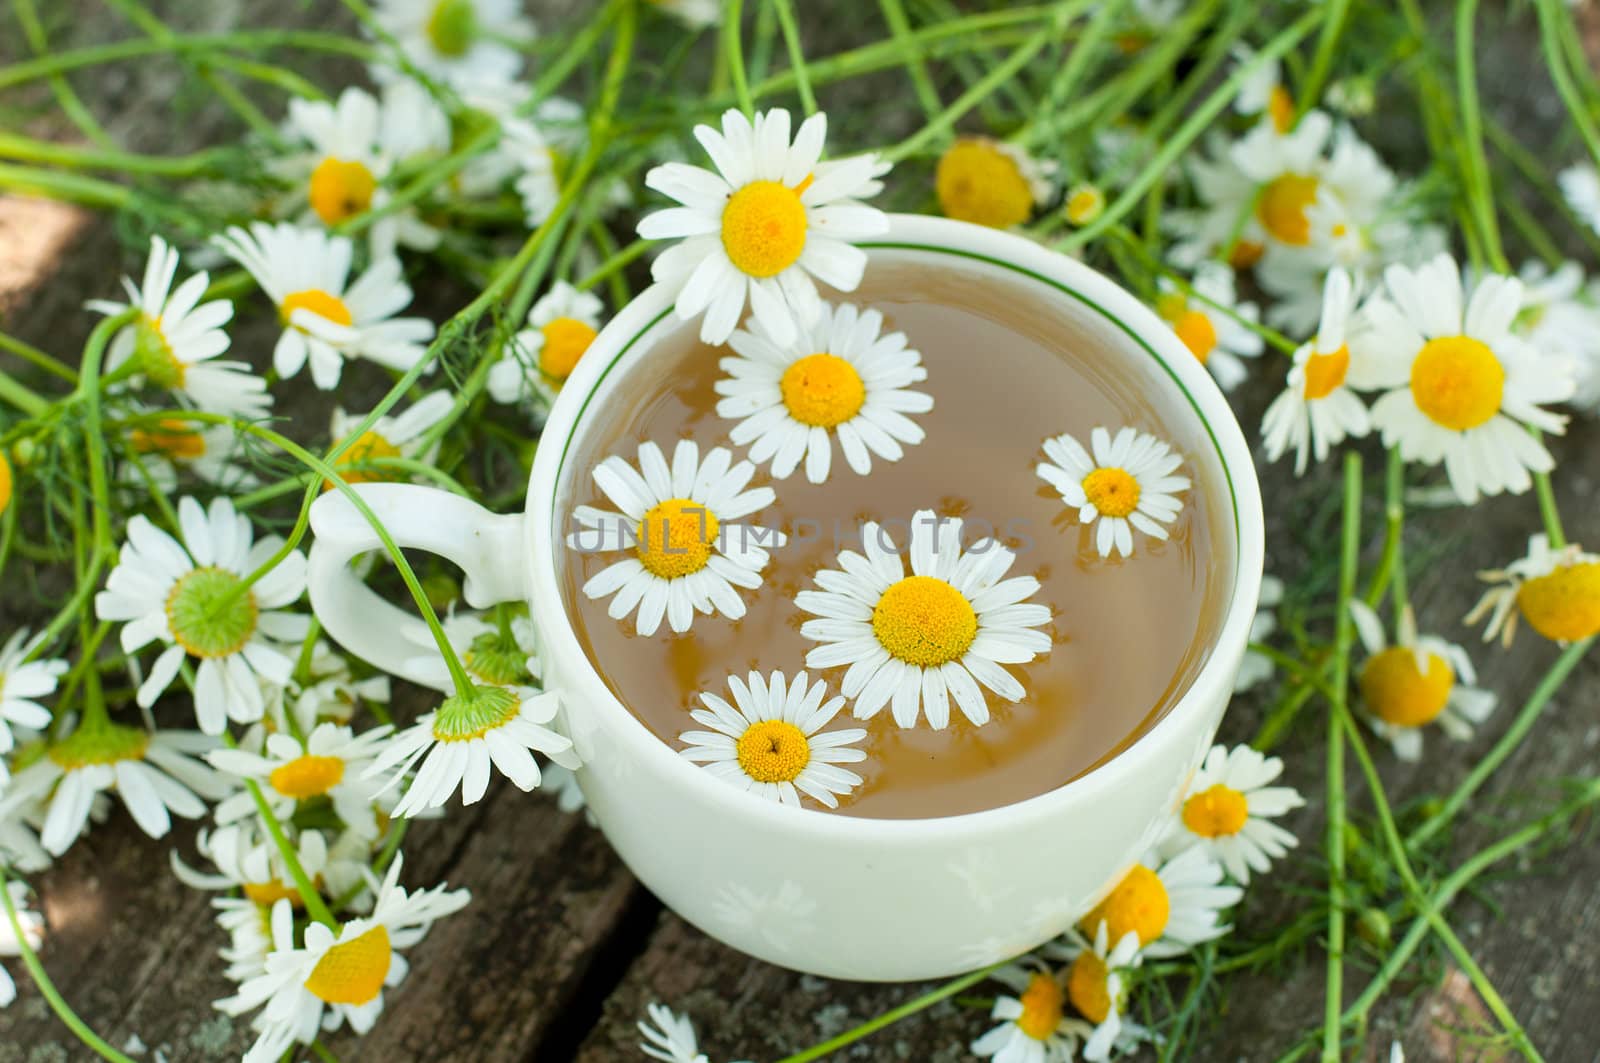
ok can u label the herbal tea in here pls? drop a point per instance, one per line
(993, 593)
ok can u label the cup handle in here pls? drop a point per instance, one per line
(488, 547)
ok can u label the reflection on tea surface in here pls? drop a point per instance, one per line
(1006, 370)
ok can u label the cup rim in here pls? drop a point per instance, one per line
(582, 684)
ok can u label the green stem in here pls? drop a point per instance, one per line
(316, 907)
(894, 15)
(797, 58)
(1548, 512)
(733, 50)
(1550, 40)
(1322, 62)
(69, 100)
(1477, 163)
(29, 353)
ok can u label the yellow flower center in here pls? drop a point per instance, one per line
(368, 447)
(565, 340)
(1457, 382)
(1084, 204)
(1280, 108)
(1138, 903)
(1197, 333)
(1087, 988)
(924, 621)
(1282, 207)
(978, 182)
(675, 537)
(1565, 604)
(1041, 1007)
(199, 619)
(154, 354)
(1245, 253)
(5, 484)
(1325, 372)
(773, 751)
(822, 390)
(353, 972)
(340, 189)
(323, 304)
(307, 776)
(1112, 491)
(1399, 694)
(764, 228)
(267, 894)
(1219, 812)
(171, 438)
(452, 27)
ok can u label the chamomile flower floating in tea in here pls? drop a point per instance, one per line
(155, 774)
(338, 974)
(771, 741)
(990, 182)
(1465, 390)
(562, 325)
(1172, 905)
(32, 923)
(1211, 323)
(841, 378)
(1580, 187)
(327, 319)
(1556, 591)
(1227, 808)
(680, 522)
(328, 764)
(1096, 988)
(1034, 1025)
(22, 683)
(176, 339)
(1127, 482)
(1319, 410)
(406, 435)
(1420, 679)
(464, 43)
(772, 218)
(192, 597)
(914, 642)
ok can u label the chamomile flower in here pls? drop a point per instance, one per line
(990, 182)
(464, 43)
(468, 737)
(1034, 1025)
(1126, 482)
(669, 1036)
(757, 231)
(1419, 680)
(1319, 409)
(841, 378)
(248, 861)
(174, 593)
(22, 683)
(175, 339)
(329, 764)
(336, 975)
(679, 521)
(1263, 92)
(1172, 905)
(156, 774)
(1464, 388)
(1580, 187)
(771, 741)
(332, 692)
(1212, 323)
(1561, 315)
(326, 319)
(1227, 809)
(1097, 990)
(1224, 224)
(404, 435)
(32, 924)
(1257, 667)
(167, 447)
(1556, 591)
(915, 641)
(1285, 166)
(539, 358)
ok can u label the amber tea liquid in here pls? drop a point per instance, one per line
(1007, 368)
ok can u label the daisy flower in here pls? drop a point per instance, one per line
(404, 435)
(989, 182)
(770, 740)
(1263, 92)
(1556, 591)
(561, 326)
(173, 592)
(165, 448)
(1224, 225)
(156, 774)
(32, 924)
(175, 340)
(1285, 166)
(1227, 808)
(1464, 388)
(916, 641)
(1172, 905)
(1034, 1026)
(468, 737)
(326, 319)
(332, 692)
(1128, 483)
(842, 377)
(22, 683)
(1419, 680)
(464, 43)
(328, 764)
(249, 862)
(689, 556)
(1319, 409)
(1257, 667)
(1097, 991)
(758, 230)
(1561, 315)
(502, 653)
(1212, 323)
(1580, 187)
(338, 974)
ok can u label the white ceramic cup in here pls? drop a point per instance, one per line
(838, 896)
